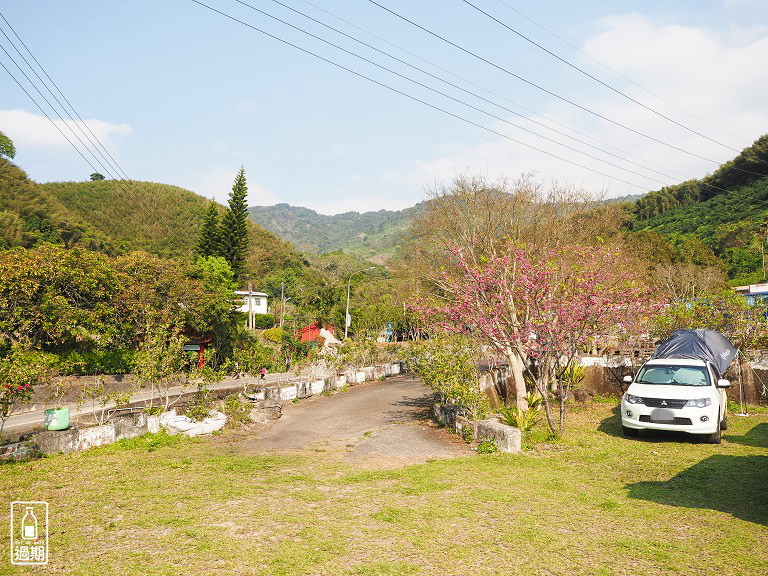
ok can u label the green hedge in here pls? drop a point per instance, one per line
(263, 321)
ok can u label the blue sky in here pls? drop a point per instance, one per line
(184, 96)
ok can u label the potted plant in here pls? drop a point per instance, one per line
(57, 418)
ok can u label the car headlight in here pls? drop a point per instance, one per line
(698, 403)
(635, 399)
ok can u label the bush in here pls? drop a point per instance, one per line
(523, 419)
(487, 447)
(274, 335)
(237, 411)
(96, 361)
(262, 321)
(449, 365)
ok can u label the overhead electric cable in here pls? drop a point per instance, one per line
(113, 162)
(118, 182)
(409, 96)
(522, 79)
(46, 115)
(445, 95)
(103, 167)
(476, 95)
(616, 72)
(488, 91)
(596, 79)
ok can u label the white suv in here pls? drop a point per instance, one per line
(675, 394)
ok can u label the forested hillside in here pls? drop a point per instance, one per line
(727, 211)
(751, 165)
(371, 235)
(118, 217)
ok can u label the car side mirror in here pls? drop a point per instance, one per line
(627, 379)
(723, 383)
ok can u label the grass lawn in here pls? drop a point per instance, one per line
(595, 503)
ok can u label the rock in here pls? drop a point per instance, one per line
(507, 438)
(96, 436)
(266, 410)
(53, 442)
(130, 425)
(19, 450)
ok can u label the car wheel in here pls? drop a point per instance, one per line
(715, 437)
(629, 432)
(724, 424)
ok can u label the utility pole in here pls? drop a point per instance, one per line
(347, 319)
(250, 307)
(282, 302)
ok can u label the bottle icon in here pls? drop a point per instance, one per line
(29, 525)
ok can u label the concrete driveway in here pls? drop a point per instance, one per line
(379, 423)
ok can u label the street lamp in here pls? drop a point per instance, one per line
(347, 319)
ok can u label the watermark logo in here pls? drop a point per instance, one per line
(29, 533)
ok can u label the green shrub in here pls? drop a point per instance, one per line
(449, 365)
(263, 321)
(523, 419)
(95, 361)
(237, 411)
(487, 447)
(274, 335)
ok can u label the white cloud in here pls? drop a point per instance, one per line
(33, 131)
(710, 74)
(338, 150)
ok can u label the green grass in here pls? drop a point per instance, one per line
(590, 503)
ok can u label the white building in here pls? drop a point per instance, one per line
(251, 303)
(753, 292)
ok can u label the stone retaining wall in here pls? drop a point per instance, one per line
(603, 375)
(507, 438)
(75, 439)
(135, 424)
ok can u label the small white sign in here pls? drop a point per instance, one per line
(29, 533)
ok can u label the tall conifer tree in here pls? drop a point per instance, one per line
(233, 232)
(208, 244)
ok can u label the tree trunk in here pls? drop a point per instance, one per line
(516, 364)
(563, 398)
(542, 385)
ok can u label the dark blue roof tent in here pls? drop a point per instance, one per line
(707, 345)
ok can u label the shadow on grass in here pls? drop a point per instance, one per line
(737, 485)
(612, 424)
(756, 436)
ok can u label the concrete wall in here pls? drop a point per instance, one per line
(603, 375)
(135, 424)
(76, 439)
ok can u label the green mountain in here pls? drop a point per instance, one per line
(750, 166)
(727, 211)
(374, 236)
(116, 217)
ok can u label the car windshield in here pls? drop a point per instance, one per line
(674, 375)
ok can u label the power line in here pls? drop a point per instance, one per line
(494, 116)
(572, 103)
(409, 96)
(496, 94)
(596, 79)
(71, 107)
(619, 74)
(476, 95)
(176, 241)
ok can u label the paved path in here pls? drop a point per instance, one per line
(384, 422)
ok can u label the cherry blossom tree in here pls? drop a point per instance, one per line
(541, 310)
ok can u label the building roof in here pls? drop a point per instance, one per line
(246, 293)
